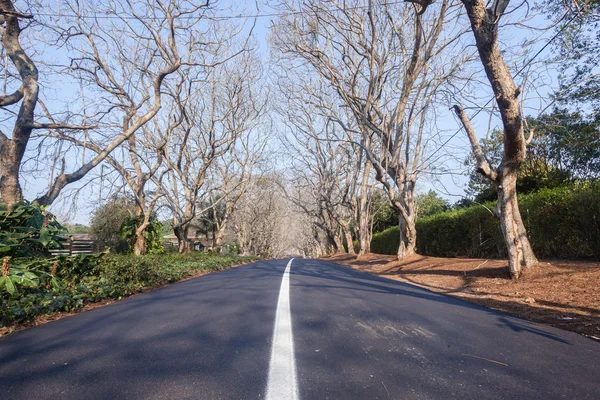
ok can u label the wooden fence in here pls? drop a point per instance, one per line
(73, 246)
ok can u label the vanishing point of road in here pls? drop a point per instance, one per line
(296, 329)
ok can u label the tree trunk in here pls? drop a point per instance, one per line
(181, 232)
(408, 237)
(139, 239)
(484, 24)
(529, 257)
(140, 245)
(338, 244)
(12, 150)
(349, 241)
(364, 226)
(10, 189)
(218, 242)
(520, 254)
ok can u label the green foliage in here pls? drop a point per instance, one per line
(384, 216)
(27, 230)
(76, 228)
(27, 272)
(565, 149)
(429, 204)
(386, 242)
(561, 222)
(152, 234)
(105, 226)
(466, 232)
(44, 286)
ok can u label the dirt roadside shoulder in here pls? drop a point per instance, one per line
(564, 294)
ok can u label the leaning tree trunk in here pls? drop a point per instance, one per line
(12, 150)
(520, 254)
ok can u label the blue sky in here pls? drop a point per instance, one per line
(450, 186)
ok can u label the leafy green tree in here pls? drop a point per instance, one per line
(107, 221)
(565, 148)
(27, 230)
(384, 216)
(430, 203)
(569, 143)
(152, 234)
(578, 54)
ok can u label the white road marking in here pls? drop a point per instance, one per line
(282, 384)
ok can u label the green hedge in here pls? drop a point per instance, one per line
(561, 223)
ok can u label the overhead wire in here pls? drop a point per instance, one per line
(214, 17)
(517, 74)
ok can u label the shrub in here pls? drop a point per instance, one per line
(152, 234)
(66, 284)
(106, 223)
(561, 222)
(386, 242)
(27, 230)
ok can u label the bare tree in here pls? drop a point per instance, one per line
(216, 114)
(386, 63)
(126, 74)
(309, 106)
(484, 24)
(26, 95)
(232, 173)
(265, 223)
(323, 171)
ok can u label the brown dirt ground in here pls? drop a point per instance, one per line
(564, 294)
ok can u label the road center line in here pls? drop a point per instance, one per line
(282, 368)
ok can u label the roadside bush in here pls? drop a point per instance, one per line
(561, 222)
(27, 230)
(66, 284)
(386, 242)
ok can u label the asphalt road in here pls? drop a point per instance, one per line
(355, 336)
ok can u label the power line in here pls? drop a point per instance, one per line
(115, 15)
(517, 74)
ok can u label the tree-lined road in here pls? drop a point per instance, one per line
(355, 336)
